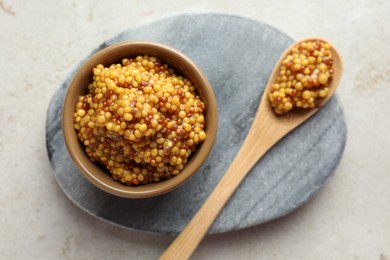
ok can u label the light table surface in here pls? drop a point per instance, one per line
(41, 41)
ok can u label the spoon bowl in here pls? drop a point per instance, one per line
(292, 118)
(266, 130)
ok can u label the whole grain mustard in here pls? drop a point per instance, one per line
(140, 120)
(303, 78)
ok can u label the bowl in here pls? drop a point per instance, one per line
(183, 65)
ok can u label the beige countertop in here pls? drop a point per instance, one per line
(41, 41)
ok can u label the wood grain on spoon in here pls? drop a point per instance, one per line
(266, 130)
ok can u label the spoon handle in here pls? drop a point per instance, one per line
(188, 240)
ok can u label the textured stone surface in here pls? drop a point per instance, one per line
(237, 55)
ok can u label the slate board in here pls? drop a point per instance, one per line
(237, 55)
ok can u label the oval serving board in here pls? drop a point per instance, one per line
(237, 55)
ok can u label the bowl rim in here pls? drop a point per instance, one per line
(77, 152)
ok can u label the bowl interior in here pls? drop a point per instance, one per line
(114, 54)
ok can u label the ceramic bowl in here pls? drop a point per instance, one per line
(184, 66)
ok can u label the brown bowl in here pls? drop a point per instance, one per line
(184, 66)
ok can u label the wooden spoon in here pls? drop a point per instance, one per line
(267, 129)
